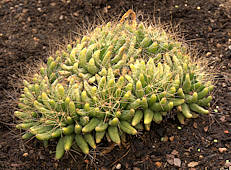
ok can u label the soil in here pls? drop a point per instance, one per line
(31, 30)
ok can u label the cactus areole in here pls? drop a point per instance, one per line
(119, 79)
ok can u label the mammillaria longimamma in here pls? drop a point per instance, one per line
(116, 80)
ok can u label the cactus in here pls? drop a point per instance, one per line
(113, 81)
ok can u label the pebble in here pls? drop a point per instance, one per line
(76, 14)
(164, 139)
(195, 125)
(25, 154)
(158, 164)
(103, 168)
(192, 164)
(221, 150)
(208, 54)
(174, 152)
(227, 163)
(136, 168)
(170, 159)
(201, 157)
(171, 138)
(61, 17)
(53, 4)
(218, 45)
(206, 128)
(177, 162)
(118, 166)
(39, 9)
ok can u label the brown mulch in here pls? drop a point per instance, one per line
(30, 30)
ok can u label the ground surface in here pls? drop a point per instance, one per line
(30, 29)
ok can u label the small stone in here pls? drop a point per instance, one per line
(171, 138)
(39, 9)
(103, 168)
(227, 163)
(53, 4)
(198, 8)
(164, 139)
(170, 159)
(118, 166)
(174, 152)
(34, 30)
(36, 39)
(210, 29)
(218, 45)
(222, 119)
(201, 157)
(195, 125)
(221, 150)
(158, 164)
(136, 168)
(226, 131)
(25, 11)
(192, 164)
(206, 128)
(56, 165)
(76, 14)
(61, 17)
(105, 10)
(177, 162)
(25, 154)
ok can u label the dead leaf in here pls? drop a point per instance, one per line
(192, 164)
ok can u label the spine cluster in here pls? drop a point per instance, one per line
(115, 81)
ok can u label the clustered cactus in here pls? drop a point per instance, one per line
(115, 81)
